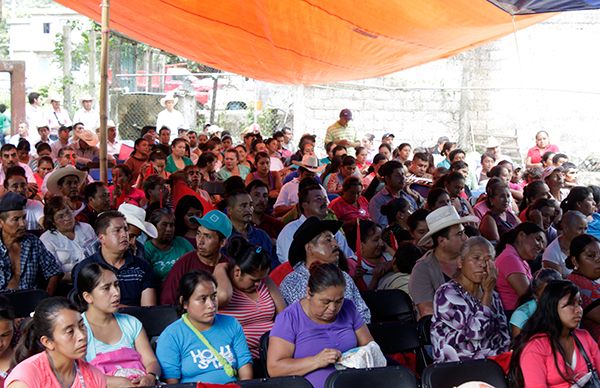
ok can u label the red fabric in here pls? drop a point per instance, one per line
(279, 273)
(181, 189)
(536, 154)
(408, 359)
(207, 385)
(502, 359)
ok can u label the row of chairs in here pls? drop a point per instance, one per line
(394, 327)
(447, 375)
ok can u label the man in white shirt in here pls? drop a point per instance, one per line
(288, 195)
(57, 116)
(313, 203)
(16, 182)
(34, 112)
(8, 152)
(169, 117)
(113, 146)
(88, 116)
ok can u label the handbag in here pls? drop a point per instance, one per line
(594, 381)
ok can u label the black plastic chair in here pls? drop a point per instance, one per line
(390, 306)
(388, 377)
(25, 301)
(452, 374)
(399, 337)
(275, 382)
(154, 319)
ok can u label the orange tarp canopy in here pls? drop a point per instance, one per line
(308, 41)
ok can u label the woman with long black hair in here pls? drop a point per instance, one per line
(551, 351)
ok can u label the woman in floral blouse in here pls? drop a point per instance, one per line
(468, 320)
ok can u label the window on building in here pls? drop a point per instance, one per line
(46, 28)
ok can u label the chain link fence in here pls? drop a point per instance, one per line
(238, 103)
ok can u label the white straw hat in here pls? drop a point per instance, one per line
(443, 218)
(135, 216)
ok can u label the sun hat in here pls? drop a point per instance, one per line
(55, 97)
(170, 96)
(310, 162)
(60, 173)
(492, 142)
(86, 97)
(310, 229)
(135, 216)
(215, 220)
(88, 136)
(443, 218)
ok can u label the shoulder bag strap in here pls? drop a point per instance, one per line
(584, 354)
(226, 365)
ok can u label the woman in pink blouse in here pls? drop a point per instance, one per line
(517, 247)
(252, 297)
(52, 349)
(551, 350)
(351, 204)
(542, 145)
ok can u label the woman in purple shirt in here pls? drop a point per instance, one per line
(310, 335)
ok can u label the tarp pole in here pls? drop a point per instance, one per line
(104, 89)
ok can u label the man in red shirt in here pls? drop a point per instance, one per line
(213, 231)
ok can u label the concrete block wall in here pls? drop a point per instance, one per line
(544, 78)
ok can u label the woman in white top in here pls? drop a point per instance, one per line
(117, 343)
(68, 240)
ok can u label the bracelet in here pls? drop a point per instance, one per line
(155, 376)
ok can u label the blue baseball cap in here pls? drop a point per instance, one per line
(215, 220)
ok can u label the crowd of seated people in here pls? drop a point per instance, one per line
(249, 237)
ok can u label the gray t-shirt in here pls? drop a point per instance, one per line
(425, 278)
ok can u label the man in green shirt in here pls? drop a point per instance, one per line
(341, 134)
(4, 124)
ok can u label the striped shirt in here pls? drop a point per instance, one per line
(255, 316)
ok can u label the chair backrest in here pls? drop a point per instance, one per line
(276, 382)
(389, 306)
(452, 374)
(154, 319)
(388, 377)
(395, 337)
(25, 301)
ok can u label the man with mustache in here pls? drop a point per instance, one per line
(135, 275)
(240, 212)
(24, 260)
(314, 242)
(312, 201)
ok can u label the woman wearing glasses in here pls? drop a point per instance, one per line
(68, 240)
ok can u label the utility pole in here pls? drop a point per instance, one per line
(92, 62)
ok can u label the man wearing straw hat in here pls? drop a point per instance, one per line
(87, 115)
(169, 117)
(439, 264)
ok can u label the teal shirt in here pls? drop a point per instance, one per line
(522, 314)
(225, 174)
(163, 261)
(4, 123)
(170, 166)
